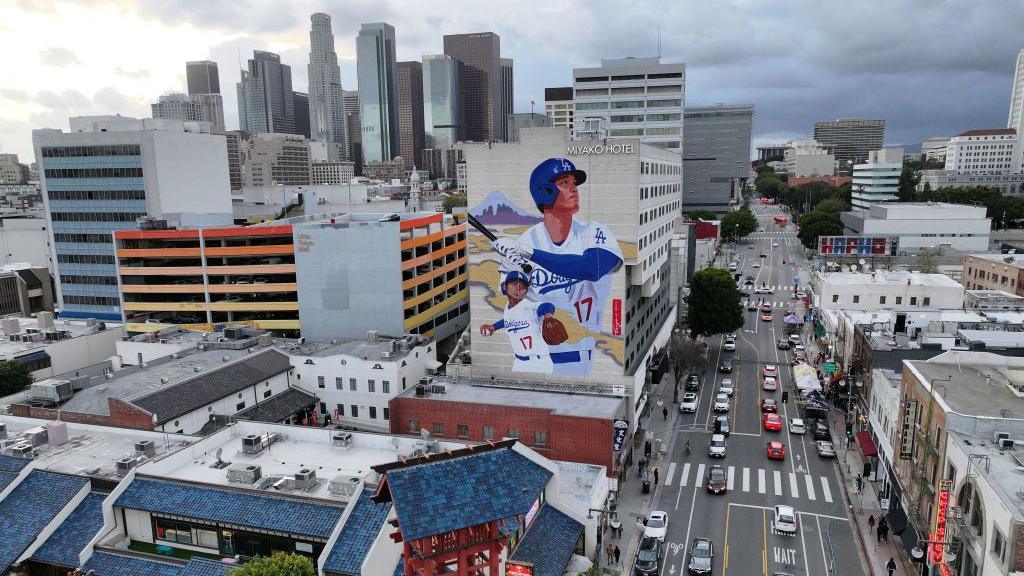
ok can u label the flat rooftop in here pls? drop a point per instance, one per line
(891, 278)
(977, 382)
(1010, 259)
(990, 294)
(75, 329)
(479, 392)
(359, 348)
(1002, 472)
(93, 450)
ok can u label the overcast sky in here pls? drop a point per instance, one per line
(927, 67)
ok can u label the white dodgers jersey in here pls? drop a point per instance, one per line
(584, 300)
(525, 335)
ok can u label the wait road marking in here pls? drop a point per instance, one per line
(810, 486)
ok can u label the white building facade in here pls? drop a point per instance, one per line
(923, 225)
(806, 157)
(877, 180)
(875, 291)
(983, 152)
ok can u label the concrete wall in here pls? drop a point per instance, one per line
(188, 171)
(25, 240)
(76, 353)
(138, 525)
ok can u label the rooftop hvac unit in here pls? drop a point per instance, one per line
(124, 465)
(255, 443)
(244, 473)
(57, 433)
(11, 326)
(45, 320)
(438, 388)
(343, 486)
(22, 451)
(305, 479)
(342, 439)
(999, 436)
(385, 355)
(145, 448)
(36, 436)
(1006, 444)
(234, 333)
(51, 389)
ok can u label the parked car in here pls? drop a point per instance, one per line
(821, 431)
(702, 556)
(794, 338)
(648, 557)
(657, 525)
(716, 480)
(825, 449)
(729, 346)
(770, 370)
(769, 405)
(717, 446)
(776, 450)
(784, 519)
(722, 425)
(694, 382)
(772, 422)
(726, 387)
(769, 383)
(796, 426)
(783, 344)
(725, 366)
(721, 403)
(689, 403)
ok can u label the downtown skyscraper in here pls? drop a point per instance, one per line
(485, 84)
(266, 103)
(410, 112)
(326, 98)
(376, 70)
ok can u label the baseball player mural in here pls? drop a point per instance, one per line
(570, 261)
(530, 325)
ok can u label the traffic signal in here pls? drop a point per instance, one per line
(849, 429)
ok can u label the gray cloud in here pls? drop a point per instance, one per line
(67, 99)
(132, 74)
(15, 95)
(57, 56)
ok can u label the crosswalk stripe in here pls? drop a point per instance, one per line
(700, 475)
(685, 476)
(794, 488)
(760, 481)
(746, 479)
(671, 473)
(810, 486)
(825, 490)
(778, 483)
(732, 477)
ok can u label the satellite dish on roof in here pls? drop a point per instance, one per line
(853, 267)
(861, 261)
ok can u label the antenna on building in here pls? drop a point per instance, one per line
(659, 42)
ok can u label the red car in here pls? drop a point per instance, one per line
(770, 370)
(772, 422)
(767, 317)
(769, 405)
(776, 450)
(769, 383)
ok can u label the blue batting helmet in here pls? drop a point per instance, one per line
(514, 275)
(542, 179)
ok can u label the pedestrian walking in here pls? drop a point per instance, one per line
(891, 565)
(611, 553)
(871, 522)
(885, 534)
(664, 412)
(655, 476)
(619, 552)
(878, 533)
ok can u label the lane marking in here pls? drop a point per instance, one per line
(731, 480)
(698, 478)
(825, 490)
(764, 545)
(746, 479)
(725, 562)
(794, 488)
(671, 473)
(760, 480)
(810, 486)
(684, 477)
(778, 483)
(803, 545)
(821, 540)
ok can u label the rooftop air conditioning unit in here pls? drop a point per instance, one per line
(1000, 436)
(145, 448)
(385, 355)
(343, 486)
(305, 479)
(22, 451)
(244, 473)
(1006, 444)
(342, 439)
(36, 436)
(124, 465)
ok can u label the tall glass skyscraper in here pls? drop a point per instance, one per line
(266, 88)
(326, 102)
(377, 74)
(442, 115)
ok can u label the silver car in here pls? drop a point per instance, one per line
(689, 403)
(826, 449)
(722, 403)
(726, 387)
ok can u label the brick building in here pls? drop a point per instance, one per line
(568, 427)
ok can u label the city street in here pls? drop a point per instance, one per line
(739, 522)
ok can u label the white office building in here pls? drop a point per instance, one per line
(878, 180)
(806, 157)
(923, 225)
(880, 290)
(635, 97)
(988, 151)
(1005, 183)
(934, 148)
(558, 105)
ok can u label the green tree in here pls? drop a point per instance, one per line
(814, 216)
(738, 224)
(702, 215)
(277, 565)
(925, 262)
(809, 234)
(909, 179)
(455, 200)
(769, 186)
(764, 168)
(714, 302)
(832, 206)
(14, 377)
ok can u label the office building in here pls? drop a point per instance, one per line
(326, 98)
(880, 290)
(301, 106)
(851, 139)
(25, 289)
(634, 98)
(558, 105)
(378, 78)
(49, 347)
(385, 170)
(517, 122)
(441, 162)
(177, 107)
(442, 102)
(772, 153)
(878, 179)
(507, 95)
(410, 112)
(131, 169)
(12, 171)
(716, 159)
(275, 159)
(934, 149)
(923, 225)
(807, 158)
(235, 141)
(1005, 183)
(1016, 116)
(266, 103)
(994, 272)
(341, 172)
(202, 77)
(988, 151)
(353, 128)
(480, 84)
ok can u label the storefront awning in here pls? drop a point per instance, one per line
(866, 444)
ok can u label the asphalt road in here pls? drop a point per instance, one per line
(739, 522)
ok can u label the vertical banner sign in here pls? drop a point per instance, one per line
(619, 429)
(617, 317)
(939, 535)
(907, 430)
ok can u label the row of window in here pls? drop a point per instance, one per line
(93, 173)
(659, 168)
(353, 384)
(96, 216)
(97, 194)
(671, 131)
(339, 412)
(540, 437)
(629, 90)
(91, 300)
(622, 78)
(670, 103)
(84, 151)
(93, 238)
(85, 259)
(80, 279)
(926, 301)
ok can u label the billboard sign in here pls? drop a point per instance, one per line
(858, 245)
(907, 430)
(939, 534)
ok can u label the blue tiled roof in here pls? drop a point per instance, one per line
(203, 567)
(465, 491)
(30, 507)
(6, 478)
(254, 510)
(12, 464)
(357, 536)
(64, 545)
(107, 564)
(549, 542)
(400, 567)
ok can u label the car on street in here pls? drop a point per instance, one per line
(717, 446)
(825, 449)
(767, 316)
(689, 403)
(751, 247)
(730, 336)
(766, 307)
(775, 244)
(764, 290)
(770, 370)
(694, 382)
(776, 450)
(657, 525)
(772, 422)
(725, 366)
(722, 403)
(726, 387)
(794, 339)
(821, 431)
(784, 344)
(796, 426)
(722, 425)
(716, 481)
(784, 519)
(799, 349)
(702, 556)
(744, 294)
(648, 557)
(770, 383)
(729, 346)
(801, 295)
(749, 279)
(769, 405)
(755, 265)
(764, 254)
(732, 267)
(751, 306)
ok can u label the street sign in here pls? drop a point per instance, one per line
(619, 429)
(830, 367)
